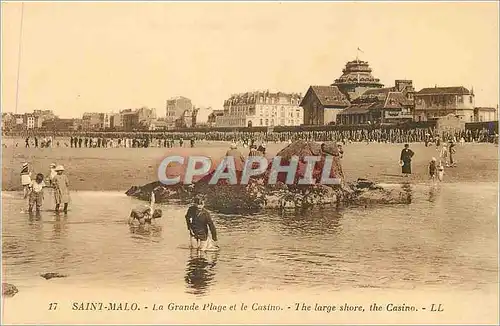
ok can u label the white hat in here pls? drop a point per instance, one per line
(434, 159)
(52, 165)
(233, 146)
(25, 164)
(263, 145)
(60, 168)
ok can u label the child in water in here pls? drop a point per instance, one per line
(144, 216)
(52, 173)
(25, 179)
(36, 193)
(147, 214)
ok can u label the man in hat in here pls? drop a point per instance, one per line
(199, 221)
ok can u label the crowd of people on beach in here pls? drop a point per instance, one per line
(446, 154)
(182, 139)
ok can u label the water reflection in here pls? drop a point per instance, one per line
(60, 227)
(34, 217)
(200, 271)
(149, 230)
(322, 222)
(407, 192)
(433, 193)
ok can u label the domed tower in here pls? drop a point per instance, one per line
(356, 78)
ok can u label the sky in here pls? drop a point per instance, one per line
(81, 57)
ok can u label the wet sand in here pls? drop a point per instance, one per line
(104, 169)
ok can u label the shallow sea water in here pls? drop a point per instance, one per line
(447, 237)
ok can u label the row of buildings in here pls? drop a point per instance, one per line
(356, 97)
(125, 120)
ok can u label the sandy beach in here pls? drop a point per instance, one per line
(120, 168)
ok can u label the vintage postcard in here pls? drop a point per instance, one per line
(250, 162)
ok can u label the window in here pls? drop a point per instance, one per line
(267, 122)
(471, 99)
(261, 122)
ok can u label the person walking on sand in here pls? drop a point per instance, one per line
(25, 178)
(253, 151)
(36, 194)
(433, 169)
(61, 189)
(239, 159)
(452, 151)
(443, 155)
(199, 221)
(405, 160)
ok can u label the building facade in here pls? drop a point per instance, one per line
(356, 78)
(57, 124)
(91, 121)
(485, 114)
(212, 117)
(30, 121)
(187, 119)
(322, 104)
(435, 102)
(255, 109)
(116, 121)
(130, 119)
(42, 115)
(357, 97)
(176, 108)
(378, 106)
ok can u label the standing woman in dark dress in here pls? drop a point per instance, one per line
(405, 160)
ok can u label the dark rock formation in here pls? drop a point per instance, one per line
(258, 194)
(9, 290)
(48, 276)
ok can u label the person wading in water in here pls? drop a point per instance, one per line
(61, 189)
(198, 222)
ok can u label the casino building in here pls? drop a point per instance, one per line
(357, 97)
